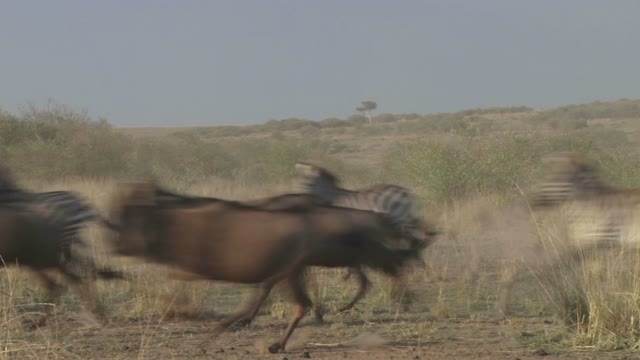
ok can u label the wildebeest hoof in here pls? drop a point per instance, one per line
(320, 317)
(31, 325)
(242, 324)
(275, 348)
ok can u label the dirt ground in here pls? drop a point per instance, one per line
(350, 336)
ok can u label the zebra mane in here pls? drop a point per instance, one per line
(318, 181)
(310, 170)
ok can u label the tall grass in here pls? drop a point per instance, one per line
(471, 181)
(594, 290)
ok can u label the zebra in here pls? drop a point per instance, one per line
(596, 210)
(569, 177)
(54, 220)
(67, 210)
(397, 203)
(594, 215)
(71, 212)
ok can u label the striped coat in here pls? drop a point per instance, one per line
(66, 210)
(577, 213)
(596, 212)
(399, 204)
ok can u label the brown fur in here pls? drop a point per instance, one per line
(230, 241)
(285, 202)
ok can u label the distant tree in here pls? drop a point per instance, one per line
(366, 107)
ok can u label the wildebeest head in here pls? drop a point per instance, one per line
(421, 238)
(428, 234)
(134, 209)
(569, 176)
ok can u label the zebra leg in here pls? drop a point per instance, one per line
(505, 287)
(95, 272)
(556, 266)
(54, 291)
(87, 290)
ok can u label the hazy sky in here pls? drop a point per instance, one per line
(156, 62)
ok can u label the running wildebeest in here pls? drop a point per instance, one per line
(301, 202)
(234, 242)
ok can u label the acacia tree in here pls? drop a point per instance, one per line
(366, 107)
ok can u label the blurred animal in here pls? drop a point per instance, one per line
(397, 203)
(300, 202)
(235, 242)
(28, 241)
(37, 232)
(594, 215)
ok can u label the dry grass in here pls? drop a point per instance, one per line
(485, 239)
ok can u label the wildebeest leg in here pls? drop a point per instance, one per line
(364, 285)
(250, 311)
(303, 304)
(261, 295)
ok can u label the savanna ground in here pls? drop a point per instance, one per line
(471, 169)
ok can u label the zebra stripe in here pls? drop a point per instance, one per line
(64, 209)
(595, 211)
(569, 177)
(399, 204)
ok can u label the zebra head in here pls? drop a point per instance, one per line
(318, 181)
(569, 176)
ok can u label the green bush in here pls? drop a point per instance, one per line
(496, 164)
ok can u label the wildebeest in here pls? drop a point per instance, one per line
(299, 201)
(593, 215)
(235, 242)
